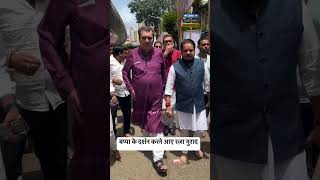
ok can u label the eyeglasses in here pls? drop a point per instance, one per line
(157, 46)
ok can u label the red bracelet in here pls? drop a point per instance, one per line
(168, 104)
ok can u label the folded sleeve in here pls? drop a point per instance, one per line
(126, 73)
(170, 82)
(309, 62)
(51, 38)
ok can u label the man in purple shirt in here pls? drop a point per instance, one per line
(146, 89)
(83, 79)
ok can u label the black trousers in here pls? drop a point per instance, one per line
(114, 109)
(125, 106)
(49, 134)
(12, 154)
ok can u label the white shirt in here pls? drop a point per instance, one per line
(6, 85)
(116, 72)
(18, 30)
(111, 86)
(309, 62)
(172, 77)
(205, 60)
(207, 63)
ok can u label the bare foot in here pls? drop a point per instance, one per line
(183, 160)
(199, 154)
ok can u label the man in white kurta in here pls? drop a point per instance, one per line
(225, 168)
(194, 122)
(113, 143)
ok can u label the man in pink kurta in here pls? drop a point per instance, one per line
(146, 88)
(83, 80)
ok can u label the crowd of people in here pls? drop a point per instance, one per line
(167, 86)
(261, 124)
(46, 89)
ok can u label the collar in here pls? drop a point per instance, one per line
(188, 63)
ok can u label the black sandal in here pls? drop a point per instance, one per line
(158, 166)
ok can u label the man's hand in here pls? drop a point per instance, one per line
(117, 81)
(74, 101)
(12, 114)
(169, 49)
(24, 63)
(114, 99)
(169, 111)
(133, 95)
(314, 137)
(208, 103)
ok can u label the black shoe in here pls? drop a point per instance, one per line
(159, 167)
(172, 131)
(166, 130)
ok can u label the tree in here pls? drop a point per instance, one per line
(150, 11)
(169, 24)
(199, 7)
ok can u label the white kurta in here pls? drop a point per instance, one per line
(189, 121)
(18, 30)
(291, 169)
(113, 144)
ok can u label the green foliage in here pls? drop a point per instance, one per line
(169, 24)
(150, 11)
(199, 7)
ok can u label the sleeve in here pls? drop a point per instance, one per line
(163, 71)
(126, 73)
(113, 70)
(309, 63)
(206, 79)
(51, 39)
(112, 89)
(170, 82)
(7, 86)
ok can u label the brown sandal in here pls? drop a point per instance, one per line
(159, 167)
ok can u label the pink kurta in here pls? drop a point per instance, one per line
(86, 72)
(148, 80)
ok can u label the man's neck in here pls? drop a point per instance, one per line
(146, 52)
(203, 54)
(117, 58)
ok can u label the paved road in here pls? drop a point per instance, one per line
(136, 165)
